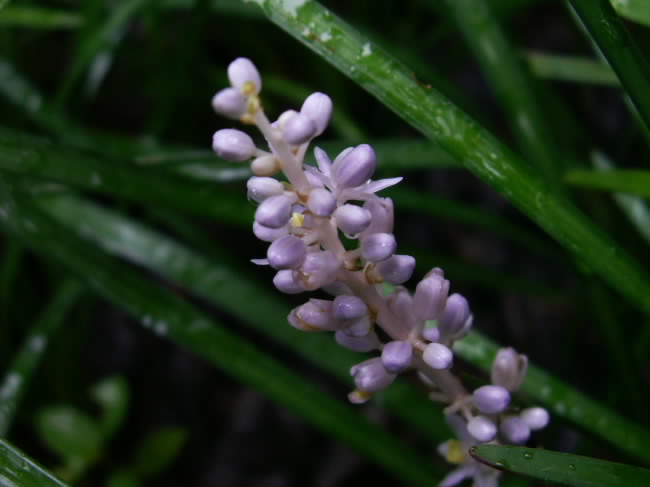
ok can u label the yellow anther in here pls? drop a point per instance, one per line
(248, 88)
(455, 452)
(297, 219)
(253, 104)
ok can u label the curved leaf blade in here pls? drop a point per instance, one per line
(563, 468)
(630, 181)
(16, 468)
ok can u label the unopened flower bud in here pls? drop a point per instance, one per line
(371, 376)
(288, 282)
(438, 356)
(452, 321)
(514, 430)
(363, 344)
(287, 252)
(359, 327)
(352, 219)
(299, 129)
(318, 107)
(536, 418)
(430, 296)
(244, 76)
(275, 211)
(348, 308)
(355, 168)
(265, 165)
(431, 333)
(260, 188)
(321, 202)
(491, 399)
(320, 268)
(233, 145)
(229, 102)
(397, 269)
(267, 234)
(397, 356)
(314, 315)
(481, 428)
(378, 247)
(509, 369)
(382, 213)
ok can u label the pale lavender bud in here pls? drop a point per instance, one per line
(359, 327)
(244, 76)
(364, 344)
(381, 210)
(514, 430)
(430, 296)
(288, 282)
(275, 211)
(400, 304)
(536, 418)
(491, 399)
(321, 202)
(287, 252)
(378, 247)
(299, 129)
(352, 219)
(283, 119)
(348, 308)
(267, 234)
(397, 269)
(260, 188)
(265, 165)
(233, 145)
(355, 168)
(229, 102)
(318, 107)
(509, 369)
(314, 315)
(371, 376)
(438, 356)
(320, 268)
(452, 321)
(315, 179)
(431, 333)
(481, 428)
(397, 356)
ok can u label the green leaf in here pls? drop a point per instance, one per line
(562, 400)
(38, 17)
(123, 478)
(166, 314)
(571, 68)
(26, 361)
(112, 394)
(635, 10)
(620, 49)
(630, 181)
(563, 468)
(435, 116)
(17, 469)
(70, 433)
(159, 450)
(510, 81)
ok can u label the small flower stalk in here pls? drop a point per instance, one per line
(305, 221)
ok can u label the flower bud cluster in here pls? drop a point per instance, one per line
(306, 219)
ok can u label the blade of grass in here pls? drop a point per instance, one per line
(216, 279)
(510, 82)
(166, 314)
(619, 48)
(629, 181)
(17, 378)
(563, 400)
(12, 258)
(635, 10)
(39, 18)
(16, 468)
(571, 68)
(635, 209)
(563, 468)
(432, 114)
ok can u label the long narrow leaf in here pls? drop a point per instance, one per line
(38, 17)
(563, 468)
(571, 68)
(166, 314)
(635, 10)
(432, 114)
(630, 181)
(17, 469)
